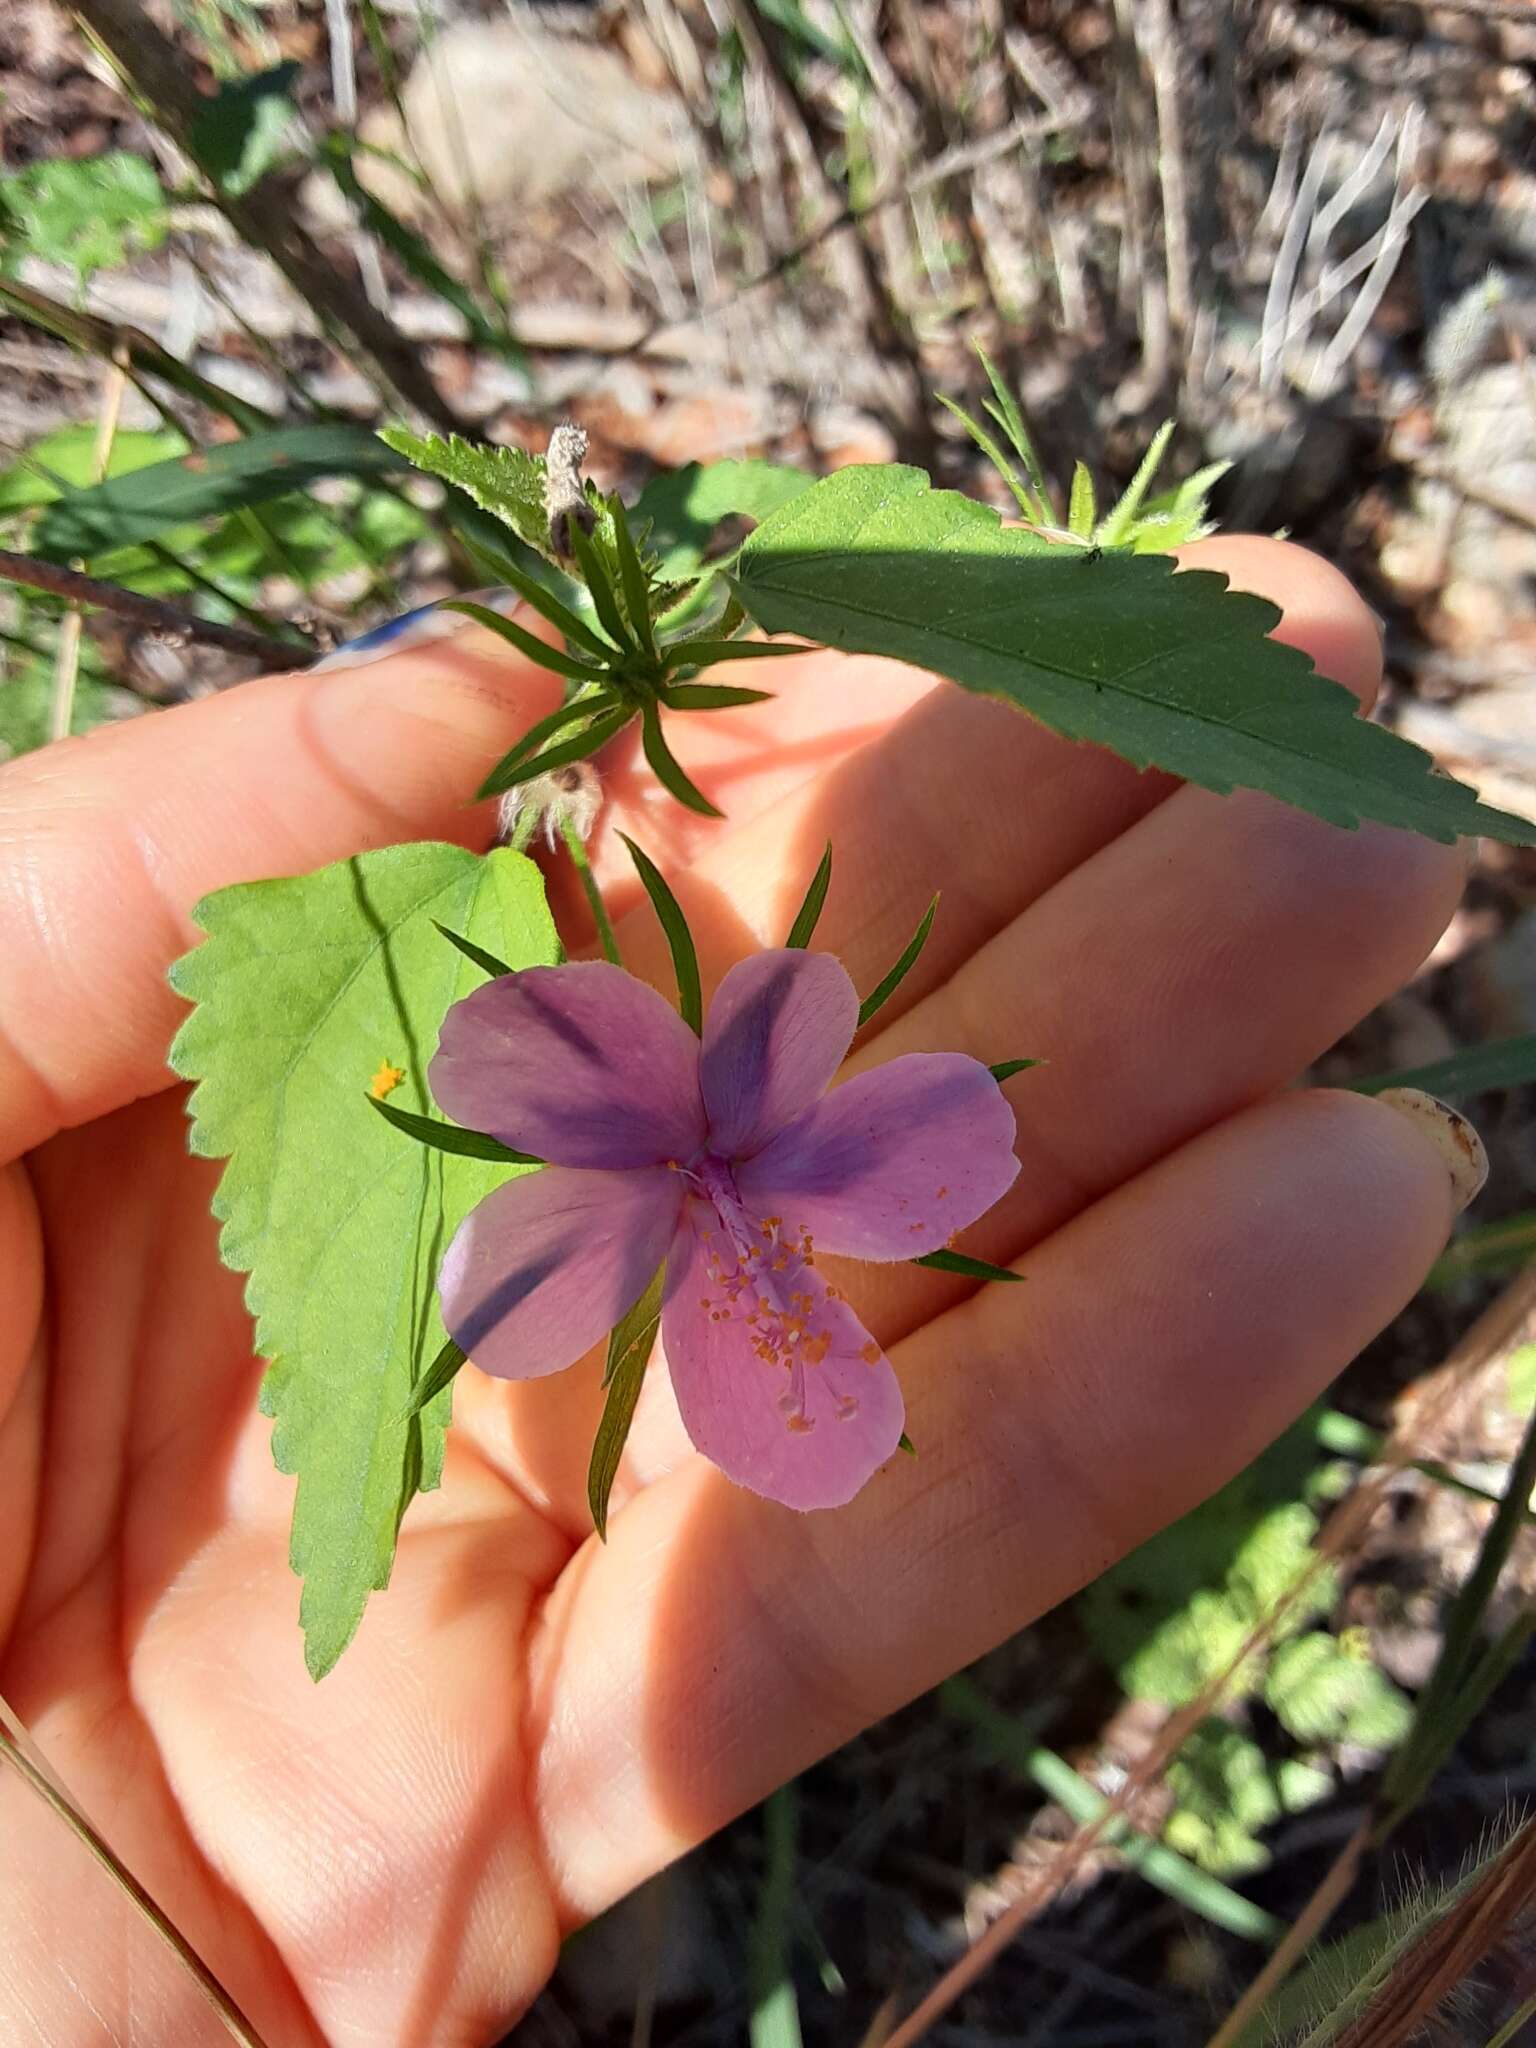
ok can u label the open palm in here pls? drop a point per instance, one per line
(530, 1723)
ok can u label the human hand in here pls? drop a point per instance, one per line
(529, 1723)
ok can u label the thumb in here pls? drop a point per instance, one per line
(106, 842)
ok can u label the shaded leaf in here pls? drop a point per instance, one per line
(1175, 670)
(223, 478)
(239, 134)
(684, 507)
(1507, 1063)
(90, 213)
(301, 987)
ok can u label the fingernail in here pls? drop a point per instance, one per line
(1452, 1136)
(419, 628)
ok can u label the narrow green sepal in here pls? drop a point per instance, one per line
(527, 643)
(708, 696)
(808, 916)
(1006, 1069)
(493, 967)
(705, 653)
(594, 573)
(637, 596)
(685, 959)
(536, 736)
(438, 1375)
(879, 997)
(906, 1444)
(544, 601)
(444, 1137)
(504, 776)
(667, 770)
(958, 1262)
(629, 1352)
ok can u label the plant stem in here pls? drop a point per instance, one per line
(151, 612)
(18, 1750)
(66, 668)
(578, 852)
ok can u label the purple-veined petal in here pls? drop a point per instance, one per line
(582, 1065)
(543, 1268)
(777, 1381)
(776, 1033)
(893, 1163)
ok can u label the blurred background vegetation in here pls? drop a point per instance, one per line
(235, 235)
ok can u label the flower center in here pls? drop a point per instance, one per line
(760, 1280)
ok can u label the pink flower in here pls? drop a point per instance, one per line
(727, 1158)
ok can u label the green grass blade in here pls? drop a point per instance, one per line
(1507, 1063)
(879, 996)
(808, 915)
(669, 912)
(1158, 1864)
(775, 2021)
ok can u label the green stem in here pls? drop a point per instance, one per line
(578, 852)
(1511, 2027)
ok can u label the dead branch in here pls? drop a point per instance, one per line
(152, 613)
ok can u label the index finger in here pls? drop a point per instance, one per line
(107, 842)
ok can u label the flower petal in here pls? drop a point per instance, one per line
(798, 1403)
(777, 1031)
(893, 1163)
(582, 1065)
(543, 1268)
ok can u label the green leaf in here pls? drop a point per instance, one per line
(879, 996)
(629, 1352)
(1169, 669)
(669, 912)
(1029, 505)
(90, 213)
(684, 506)
(543, 600)
(65, 460)
(527, 644)
(1006, 1069)
(443, 1137)
(1507, 1063)
(1116, 525)
(709, 696)
(775, 2015)
(240, 133)
(1004, 408)
(667, 770)
(577, 748)
(339, 151)
(505, 482)
(1322, 1691)
(225, 477)
(1082, 511)
(539, 734)
(438, 1377)
(945, 1261)
(301, 987)
(487, 960)
(807, 917)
